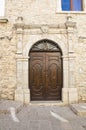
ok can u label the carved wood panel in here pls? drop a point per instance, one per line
(45, 75)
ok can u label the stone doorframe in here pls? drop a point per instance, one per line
(69, 91)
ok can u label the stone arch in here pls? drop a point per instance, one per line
(56, 40)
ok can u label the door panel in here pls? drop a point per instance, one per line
(37, 80)
(45, 75)
(53, 79)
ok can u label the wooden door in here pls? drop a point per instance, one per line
(53, 76)
(45, 75)
(37, 76)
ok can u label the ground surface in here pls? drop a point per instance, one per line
(42, 118)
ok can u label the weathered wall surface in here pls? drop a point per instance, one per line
(35, 13)
(7, 62)
(80, 68)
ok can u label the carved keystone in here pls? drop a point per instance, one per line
(44, 29)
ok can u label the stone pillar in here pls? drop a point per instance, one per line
(84, 5)
(26, 80)
(22, 91)
(19, 90)
(65, 80)
(58, 8)
(72, 91)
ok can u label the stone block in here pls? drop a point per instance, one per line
(19, 95)
(73, 95)
(26, 96)
(65, 95)
(79, 109)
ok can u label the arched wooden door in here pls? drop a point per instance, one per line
(45, 71)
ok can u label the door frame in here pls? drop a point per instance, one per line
(22, 93)
(47, 51)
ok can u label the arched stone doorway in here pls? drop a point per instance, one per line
(65, 36)
(45, 71)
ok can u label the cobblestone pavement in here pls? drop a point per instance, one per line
(42, 118)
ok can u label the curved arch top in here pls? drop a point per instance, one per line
(46, 45)
(56, 40)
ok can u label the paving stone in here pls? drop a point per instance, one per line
(7, 105)
(79, 109)
(66, 126)
(40, 118)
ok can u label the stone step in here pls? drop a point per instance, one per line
(6, 106)
(79, 109)
(47, 103)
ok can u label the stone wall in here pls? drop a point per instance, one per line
(7, 61)
(33, 20)
(80, 68)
